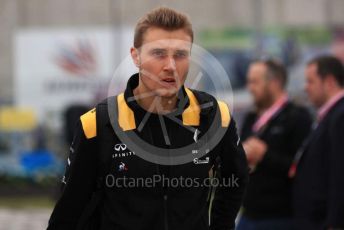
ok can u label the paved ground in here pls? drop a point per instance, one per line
(24, 219)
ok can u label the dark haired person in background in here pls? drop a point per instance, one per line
(271, 135)
(319, 184)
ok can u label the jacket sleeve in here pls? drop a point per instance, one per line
(300, 127)
(335, 212)
(234, 178)
(78, 183)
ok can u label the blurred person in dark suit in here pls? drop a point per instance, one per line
(319, 185)
(271, 135)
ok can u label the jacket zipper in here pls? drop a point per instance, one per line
(165, 212)
(165, 196)
(166, 190)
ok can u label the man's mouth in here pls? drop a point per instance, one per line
(169, 81)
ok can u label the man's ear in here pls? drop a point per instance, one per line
(328, 82)
(332, 81)
(277, 84)
(135, 56)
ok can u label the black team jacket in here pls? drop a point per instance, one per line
(161, 206)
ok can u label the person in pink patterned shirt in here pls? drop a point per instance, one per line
(318, 181)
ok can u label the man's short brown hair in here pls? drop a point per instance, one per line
(329, 65)
(275, 69)
(164, 18)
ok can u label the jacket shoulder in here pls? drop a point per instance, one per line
(337, 113)
(89, 119)
(298, 111)
(339, 108)
(204, 98)
(89, 123)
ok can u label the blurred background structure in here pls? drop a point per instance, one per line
(58, 57)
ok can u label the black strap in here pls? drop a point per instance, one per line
(104, 157)
(90, 218)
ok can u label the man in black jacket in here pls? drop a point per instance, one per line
(161, 140)
(319, 187)
(271, 135)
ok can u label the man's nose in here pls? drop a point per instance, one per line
(170, 64)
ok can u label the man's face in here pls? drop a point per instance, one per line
(164, 60)
(258, 85)
(314, 86)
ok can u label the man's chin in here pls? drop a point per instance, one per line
(259, 103)
(317, 103)
(167, 93)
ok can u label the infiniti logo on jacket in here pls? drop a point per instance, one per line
(120, 151)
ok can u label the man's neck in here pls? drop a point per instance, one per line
(275, 97)
(278, 96)
(154, 103)
(332, 93)
(331, 100)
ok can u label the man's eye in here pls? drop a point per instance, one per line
(158, 53)
(181, 55)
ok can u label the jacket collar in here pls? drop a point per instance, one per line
(128, 108)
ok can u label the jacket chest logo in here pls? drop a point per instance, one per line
(121, 150)
(122, 167)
